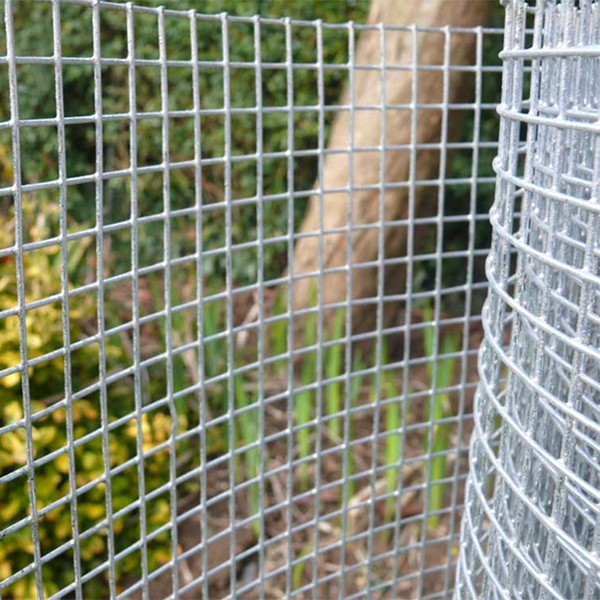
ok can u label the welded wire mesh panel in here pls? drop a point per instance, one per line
(184, 411)
(530, 528)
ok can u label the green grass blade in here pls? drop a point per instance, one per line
(279, 330)
(300, 567)
(304, 399)
(178, 366)
(441, 410)
(392, 424)
(211, 323)
(333, 368)
(214, 362)
(304, 405)
(247, 435)
(355, 389)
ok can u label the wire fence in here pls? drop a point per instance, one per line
(188, 410)
(531, 523)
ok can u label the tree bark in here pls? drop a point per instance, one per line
(366, 165)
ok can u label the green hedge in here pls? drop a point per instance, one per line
(37, 99)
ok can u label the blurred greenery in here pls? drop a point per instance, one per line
(52, 422)
(42, 268)
(39, 145)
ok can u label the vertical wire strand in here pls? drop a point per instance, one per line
(202, 375)
(456, 476)
(135, 278)
(591, 264)
(262, 499)
(513, 389)
(510, 87)
(379, 313)
(320, 307)
(410, 243)
(64, 284)
(101, 316)
(229, 304)
(533, 420)
(289, 584)
(349, 305)
(166, 175)
(21, 298)
(587, 37)
(586, 301)
(486, 426)
(439, 247)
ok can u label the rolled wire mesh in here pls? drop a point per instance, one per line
(166, 429)
(531, 523)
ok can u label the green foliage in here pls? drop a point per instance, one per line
(214, 364)
(393, 418)
(44, 334)
(39, 145)
(305, 399)
(44, 325)
(333, 368)
(301, 565)
(440, 377)
(279, 329)
(355, 389)
(248, 434)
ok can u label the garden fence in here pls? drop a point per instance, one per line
(185, 411)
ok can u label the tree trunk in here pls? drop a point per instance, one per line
(366, 165)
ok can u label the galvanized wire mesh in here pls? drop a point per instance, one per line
(158, 440)
(530, 528)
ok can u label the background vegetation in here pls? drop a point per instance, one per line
(54, 425)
